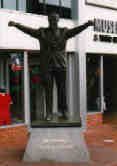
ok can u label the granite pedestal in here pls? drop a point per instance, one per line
(63, 144)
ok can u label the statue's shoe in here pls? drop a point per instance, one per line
(62, 115)
(49, 117)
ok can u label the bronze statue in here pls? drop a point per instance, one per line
(53, 41)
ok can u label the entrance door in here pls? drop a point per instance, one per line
(94, 80)
(110, 88)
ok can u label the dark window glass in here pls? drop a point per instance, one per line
(39, 7)
(16, 89)
(17, 95)
(62, 3)
(93, 83)
(8, 5)
(1, 3)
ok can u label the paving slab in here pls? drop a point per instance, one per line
(102, 153)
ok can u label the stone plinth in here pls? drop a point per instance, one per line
(56, 145)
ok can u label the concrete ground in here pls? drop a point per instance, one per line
(101, 142)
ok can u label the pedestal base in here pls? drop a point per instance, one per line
(56, 145)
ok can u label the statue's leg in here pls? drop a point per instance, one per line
(60, 77)
(49, 96)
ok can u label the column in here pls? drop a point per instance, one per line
(26, 90)
(1, 74)
(78, 15)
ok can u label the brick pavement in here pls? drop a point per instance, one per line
(101, 142)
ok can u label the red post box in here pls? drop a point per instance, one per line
(5, 115)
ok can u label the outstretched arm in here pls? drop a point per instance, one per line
(25, 29)
(74, 31)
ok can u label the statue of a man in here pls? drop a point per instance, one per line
(53, 41)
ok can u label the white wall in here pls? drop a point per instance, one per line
(90, 12)
(12, 38)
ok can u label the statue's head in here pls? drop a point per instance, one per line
(53, 19)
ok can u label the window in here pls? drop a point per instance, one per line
(1, 4)
(22, 5)
(62, 7)
(63, 3)
(14, 5)
(17, 95)
(16, 89)
(13, 83)
(8, 5)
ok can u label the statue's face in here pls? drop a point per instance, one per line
(53, 19)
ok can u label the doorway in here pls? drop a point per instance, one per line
(93, 65)
(110, 88)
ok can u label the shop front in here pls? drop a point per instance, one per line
(101, 87)
(13, 82)
(100, 50)
(110, 88)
